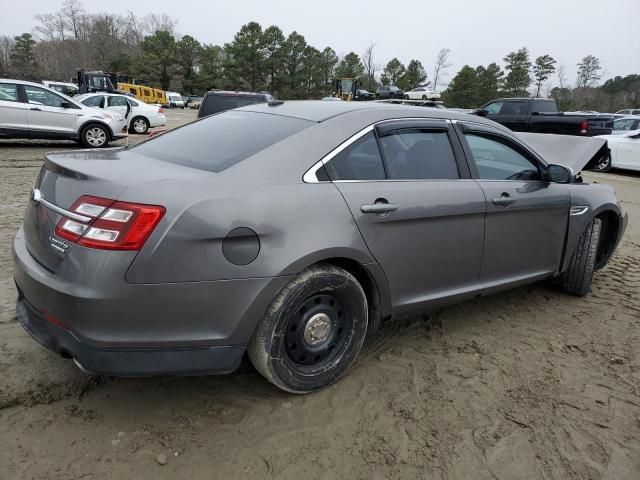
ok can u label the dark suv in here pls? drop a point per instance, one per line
(389, 91)
(217, 101)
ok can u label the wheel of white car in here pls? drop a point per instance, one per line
(313, 330)
(94, 136)
(603, 164)
(140, 125)
(577, 279)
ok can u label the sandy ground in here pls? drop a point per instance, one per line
(525, 384)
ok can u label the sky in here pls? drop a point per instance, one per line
(477, 32)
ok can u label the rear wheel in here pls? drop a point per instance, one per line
(140, 125)
(94, 136)
(577, 279)
(313, 330)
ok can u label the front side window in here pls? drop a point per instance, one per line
(95, 101)
(496, 160)
(220, 141)
(415, 154)
(493, 108)
(9, 92)
(40, 96)
(359, 161)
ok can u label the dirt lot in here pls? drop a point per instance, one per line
(525, 384)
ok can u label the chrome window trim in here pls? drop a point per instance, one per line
(37, 197)
(310, 175)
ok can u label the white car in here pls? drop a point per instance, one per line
(421, 93)
(625, 150)
(629, 111)
(175, 100)
(69, 89)
(33, 111)
(140, 116)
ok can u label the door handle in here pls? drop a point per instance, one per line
(505, 200)
(36, 109)
(378, 208)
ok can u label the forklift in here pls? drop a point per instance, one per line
(346, 88)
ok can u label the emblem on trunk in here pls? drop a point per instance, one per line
(58, 245)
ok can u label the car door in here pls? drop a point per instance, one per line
(117, 103)
(627, 154)
(527, 217)
(13, 112)
(49, 115)
(420, 214)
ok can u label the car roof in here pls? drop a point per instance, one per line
(628, 117)
(319, 110)
(231, 92)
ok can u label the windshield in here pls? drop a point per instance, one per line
(217, 142)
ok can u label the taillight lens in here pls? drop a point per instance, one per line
(161, 110)
(584, 127)
(112, 226)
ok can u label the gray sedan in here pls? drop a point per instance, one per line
(289, 230)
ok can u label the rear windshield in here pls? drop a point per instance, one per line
(216, 143)
(219, 103)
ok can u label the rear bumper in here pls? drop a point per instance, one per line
(113, 327)
(127, 362)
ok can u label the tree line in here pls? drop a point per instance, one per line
(265, 59)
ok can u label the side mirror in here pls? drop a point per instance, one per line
(559, 174)
(481, 112)
(535, 113)
(66, 105)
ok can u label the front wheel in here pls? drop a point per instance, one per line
(577, 279)
(603, 164)
(313, 330)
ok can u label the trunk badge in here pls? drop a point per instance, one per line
(58, 245)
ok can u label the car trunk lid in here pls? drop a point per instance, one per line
(67, 176)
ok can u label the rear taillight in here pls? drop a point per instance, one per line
(160, 110)
(584, 127)
(110, 225)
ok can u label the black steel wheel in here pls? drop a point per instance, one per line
(313, 330)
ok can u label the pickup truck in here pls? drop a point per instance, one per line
(541, 115)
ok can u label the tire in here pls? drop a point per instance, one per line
(95, 136)
(139, 125)
(603, 165)
(577, 279)
(312, 332)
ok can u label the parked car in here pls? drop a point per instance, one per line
(364, 95)
(625, 149)
(175, 100)
(193, 101)
(140, 116)
(216, 101)
(288, 230)
(31, 110)
(541, 115)
(625, 124)
(421, 93)
(69, 89)
(629, 111)
(389, 91)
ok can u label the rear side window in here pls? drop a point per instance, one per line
(543, 106)
(419, 155)
(8, 92)
(359, 161)
(514, 108)
(220, 141)
(220, 103)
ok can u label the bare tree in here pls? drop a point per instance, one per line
(6, 45)
(562, 79)
(73, 12)
(155, 22)
(589, 71)
(370, 66)
(440, 66)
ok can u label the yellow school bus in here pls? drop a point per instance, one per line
(145, 93)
